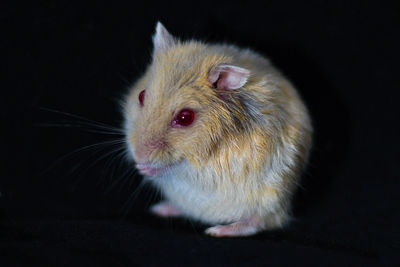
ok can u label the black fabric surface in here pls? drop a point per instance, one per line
(67, 202)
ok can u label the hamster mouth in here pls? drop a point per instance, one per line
(149, 170)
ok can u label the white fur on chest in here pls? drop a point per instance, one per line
(185, 189)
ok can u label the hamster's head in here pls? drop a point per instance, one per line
(184, 105)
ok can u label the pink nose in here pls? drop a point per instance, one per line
(142, 154)
(145, 151)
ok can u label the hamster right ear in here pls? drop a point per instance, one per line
(162, 39)
(226, 76)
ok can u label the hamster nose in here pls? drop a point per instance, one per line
(142, 154)
(146, 151)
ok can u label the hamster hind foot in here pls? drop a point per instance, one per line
(251, 226)
(165, 209)
(241, 228)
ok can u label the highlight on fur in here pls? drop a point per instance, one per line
(239, 163)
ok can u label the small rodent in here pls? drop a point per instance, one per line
(221, 133)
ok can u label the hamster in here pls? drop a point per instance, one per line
(220, 132)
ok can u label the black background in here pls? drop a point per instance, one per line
(59, 208)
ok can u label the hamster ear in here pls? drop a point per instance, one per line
(162, 39)
(226, 76)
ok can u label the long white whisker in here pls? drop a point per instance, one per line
(69, 125)
(76, 116)
(93, 163)
(129, 203)
(104, 143)
(110, 161)
(81, 123)
(105, 155)
(129, 172)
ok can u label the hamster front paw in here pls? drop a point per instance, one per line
(165, 209)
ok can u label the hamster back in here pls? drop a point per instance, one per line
(220, 132)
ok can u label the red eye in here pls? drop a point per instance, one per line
(141, 97)
(184, 118)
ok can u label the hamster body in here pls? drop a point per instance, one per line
(221, 133)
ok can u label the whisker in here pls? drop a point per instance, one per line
(124, 79)
(84, 148)
(128, 173)
(155, 194)
(76, 183)
(129, 203)
(110, 162)
(135, 171)
(105, 156)
(77, 125)
(83, 123)
(102, 127)
(128, 181)
(76, 116)
(112, 156)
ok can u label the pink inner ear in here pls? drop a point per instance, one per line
(228, 76)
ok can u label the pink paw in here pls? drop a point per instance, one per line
(165, 209)
(243, 228)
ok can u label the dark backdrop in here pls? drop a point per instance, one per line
(61, 205)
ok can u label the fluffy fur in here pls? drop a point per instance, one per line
(239, 163)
